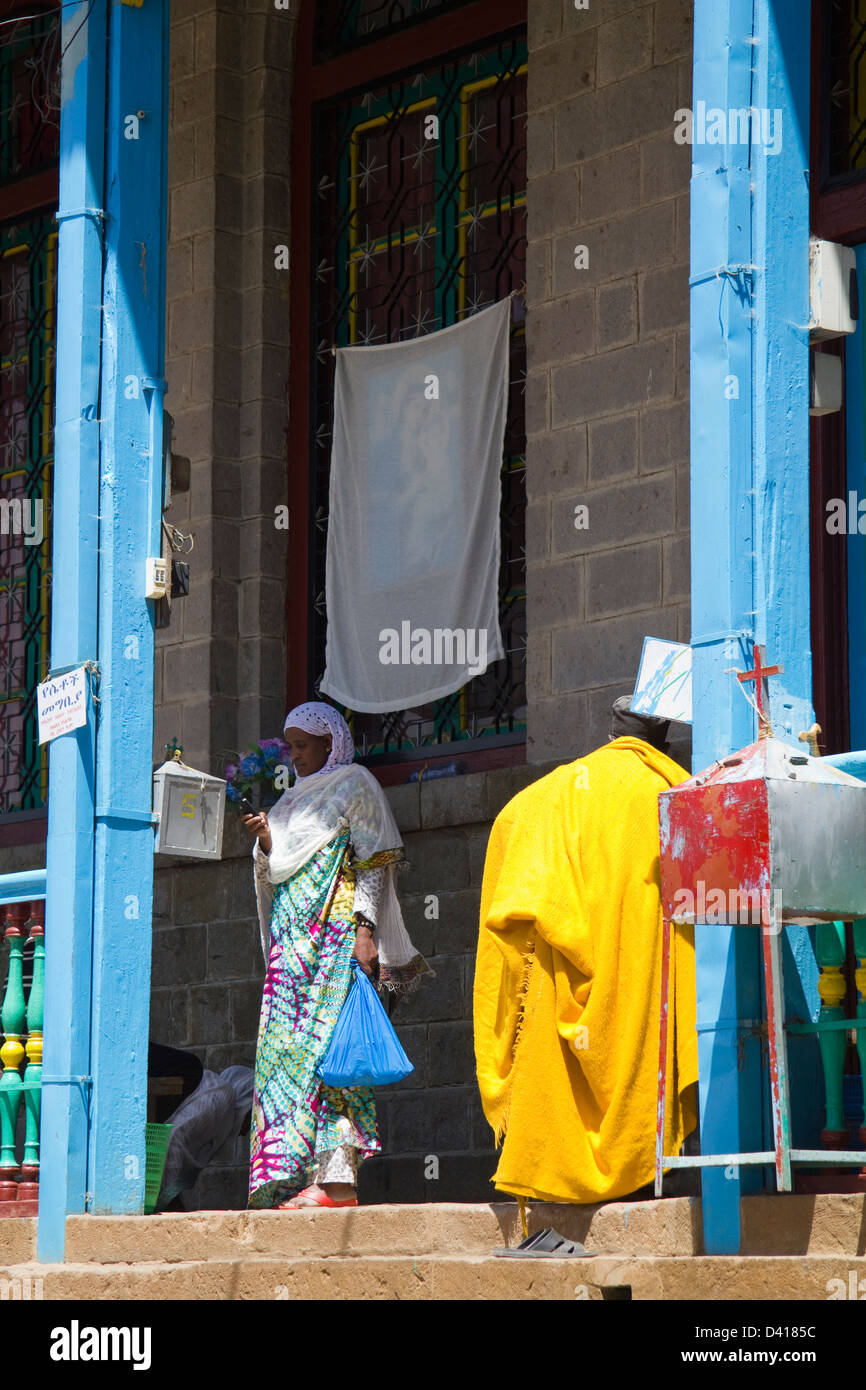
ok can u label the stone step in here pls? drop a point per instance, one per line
(671, 1227)
(422, 1278)
(728, 1278)
(771, 1226)
(17, 1239)
(440, 1277)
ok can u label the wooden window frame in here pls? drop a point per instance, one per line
(405, 51)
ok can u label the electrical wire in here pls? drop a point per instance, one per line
(42, 14)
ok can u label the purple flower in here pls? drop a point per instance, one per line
(231, 771)
(269, 743)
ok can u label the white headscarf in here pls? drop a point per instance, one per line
(320, 719)
(309, 815)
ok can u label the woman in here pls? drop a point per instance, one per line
(325, 859)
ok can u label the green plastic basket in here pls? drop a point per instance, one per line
(156, 1139)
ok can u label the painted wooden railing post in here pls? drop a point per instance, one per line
(12, 1020)
(28, 1186)
(830, 954)
(860, 982)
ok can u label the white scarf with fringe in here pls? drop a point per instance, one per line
(308, 817)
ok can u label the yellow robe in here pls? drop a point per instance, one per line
(568, 981)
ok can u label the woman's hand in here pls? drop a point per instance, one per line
(258, 825)
(365, 951)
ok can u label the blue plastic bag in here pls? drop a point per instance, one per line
(364, 1049)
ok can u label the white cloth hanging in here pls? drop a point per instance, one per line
(412, 570)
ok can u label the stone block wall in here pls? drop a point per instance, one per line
(607, 343)
(208, 973)
(607, 425)
(220, 666)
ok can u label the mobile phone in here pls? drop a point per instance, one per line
(246, 807)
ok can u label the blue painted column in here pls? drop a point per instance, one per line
(130, 521)
(750, 513)
(107, 515)
(780, 223)
(69, 897)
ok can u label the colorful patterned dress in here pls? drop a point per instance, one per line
(298, 1122)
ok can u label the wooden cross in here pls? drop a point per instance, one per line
(759, 675)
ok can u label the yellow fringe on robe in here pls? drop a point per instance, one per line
(568, 981)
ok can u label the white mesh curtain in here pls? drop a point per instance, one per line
(412, 562)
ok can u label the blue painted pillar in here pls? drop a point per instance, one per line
(107, 495)
(780, 222)
(750, 514)
(130, 522)
(69, 897)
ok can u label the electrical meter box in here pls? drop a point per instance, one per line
(833, 297)
(190, 809)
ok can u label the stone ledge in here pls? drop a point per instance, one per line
(475, 797)
(455, 1275)
(379, 1277)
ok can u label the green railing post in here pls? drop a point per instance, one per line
(830, 954)
(860, 981)
(29, 1184)
(12, 1018)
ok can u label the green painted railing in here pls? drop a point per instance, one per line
(21, 1016)
(833, 1027)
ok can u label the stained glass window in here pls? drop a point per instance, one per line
(844, 89)
(420, 220)
(29, 96)
(29, 129)
(344, 24)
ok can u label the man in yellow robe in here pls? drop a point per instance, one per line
(568, 979)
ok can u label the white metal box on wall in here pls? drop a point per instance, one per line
(190, 811)
(833, 303)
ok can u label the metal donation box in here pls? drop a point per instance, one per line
(190, 810)
(764, 837)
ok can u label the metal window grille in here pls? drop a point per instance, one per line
(416, 226)
(29, 96)
(343, 25)
(844, 88)
(29, 133)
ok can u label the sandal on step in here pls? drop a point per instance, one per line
(321, 1199)
(546, 1245)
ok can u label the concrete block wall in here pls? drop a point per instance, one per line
(607, 425)
(607, 347)
(208, 974)
(220, 672)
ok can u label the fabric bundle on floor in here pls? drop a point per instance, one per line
(568, 981)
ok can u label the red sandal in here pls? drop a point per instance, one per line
(321, 1200)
